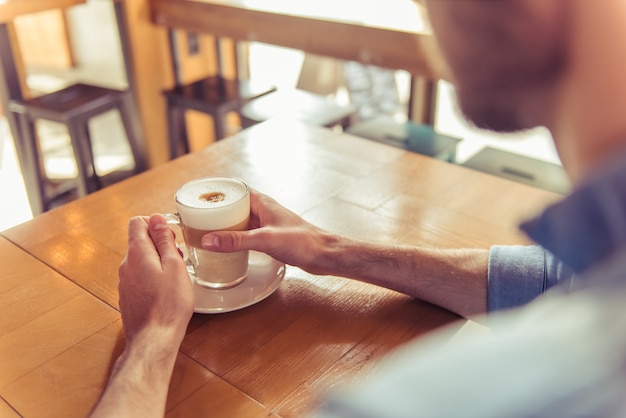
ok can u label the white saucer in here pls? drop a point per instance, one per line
(264, 276)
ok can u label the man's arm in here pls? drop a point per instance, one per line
(465, 281)
(156, 302)
(140, 379)
(454, 279)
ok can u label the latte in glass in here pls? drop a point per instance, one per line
(214, 204)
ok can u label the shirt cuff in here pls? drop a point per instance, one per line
(516, 275)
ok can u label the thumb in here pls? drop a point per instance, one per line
(162, 236)
(229, 241)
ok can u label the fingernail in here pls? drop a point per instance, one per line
(157, 222)
(210, 241)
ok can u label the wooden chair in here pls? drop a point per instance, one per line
(319, 78)
(298, 104)
(216, 96)
(73, 106)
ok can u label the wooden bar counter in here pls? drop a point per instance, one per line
(61, 329)
(395, 34)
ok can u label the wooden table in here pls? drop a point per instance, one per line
(61, 330)
(393, 34)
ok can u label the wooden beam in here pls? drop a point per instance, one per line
(11, 9)
(413, 51)
(152, 73)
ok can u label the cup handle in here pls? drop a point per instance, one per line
(174, 219)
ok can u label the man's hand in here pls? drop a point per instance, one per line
(278, 232)
(156, 301)
(155, 290)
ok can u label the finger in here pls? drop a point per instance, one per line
(162, 237)
(259, 200)
(147, 220)
(255, 208)
(140, 246)
(138, 238)
(262, 210)
(229, 241)
(137, 226)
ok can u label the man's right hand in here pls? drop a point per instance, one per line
(276, 231)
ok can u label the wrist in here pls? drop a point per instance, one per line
(151, 355)
(140, 378)
(330, 255)
(155, 339)
(153, 346)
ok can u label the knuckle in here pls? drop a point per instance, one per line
(163, 238)
(233, 240)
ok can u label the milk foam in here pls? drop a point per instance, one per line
(200, 213)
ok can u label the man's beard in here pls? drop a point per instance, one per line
(496, 114)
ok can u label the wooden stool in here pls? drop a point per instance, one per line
(216, 96)
(74, 106)
(298, 104)
(411, 136)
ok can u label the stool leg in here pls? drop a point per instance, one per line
(84, 157)
(247, 122)
(93, 180)
(177, 130)
(130, 119)
(32, 170)
(346, 122)
(219, 123)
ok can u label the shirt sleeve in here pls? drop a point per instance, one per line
(518, 274)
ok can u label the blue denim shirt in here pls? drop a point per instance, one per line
(574, 235)
(559, 355)
(518, 274)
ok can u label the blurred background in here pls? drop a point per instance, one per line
(96, 57)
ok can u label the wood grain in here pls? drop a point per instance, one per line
(6, 411)
(43, 338)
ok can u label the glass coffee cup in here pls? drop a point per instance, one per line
(213, 204)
